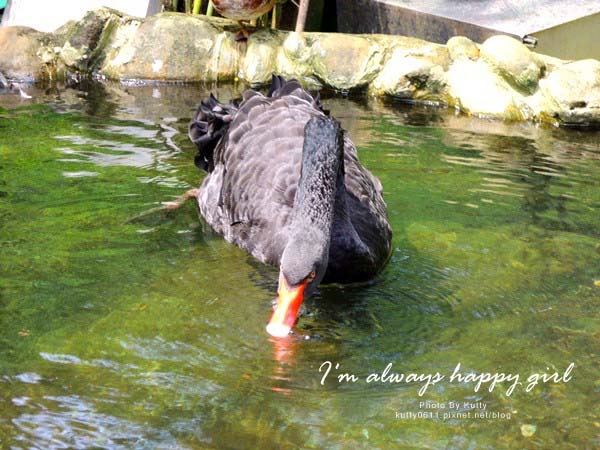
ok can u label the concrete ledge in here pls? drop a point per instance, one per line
(499, 79)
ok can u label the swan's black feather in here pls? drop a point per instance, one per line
(208, 126)
(252, 150)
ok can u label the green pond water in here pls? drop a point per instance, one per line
(149, 333)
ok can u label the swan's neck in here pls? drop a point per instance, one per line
(315, 203)
(321, 179)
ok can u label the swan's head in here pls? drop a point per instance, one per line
(302, 268)
(304, 260)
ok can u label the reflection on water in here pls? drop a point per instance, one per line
(150, 333)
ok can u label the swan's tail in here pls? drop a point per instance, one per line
(280, 88)
(208, 126)
(212, 118)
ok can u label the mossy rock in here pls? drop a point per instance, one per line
(19, 47)
(460, 47)
(260, 60)
(513, 61)
(345, 61)
(572, 93)
(171, 47)
(413, 73)
(477, 90)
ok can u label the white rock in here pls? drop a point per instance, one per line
(512, 60)
(479, 91)
(460, 47)
(571, 93)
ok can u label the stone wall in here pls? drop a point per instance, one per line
(500, 78)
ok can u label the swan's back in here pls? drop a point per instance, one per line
(253, 151)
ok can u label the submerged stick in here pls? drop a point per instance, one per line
(167, 206)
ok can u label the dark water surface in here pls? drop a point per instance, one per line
(150, 333)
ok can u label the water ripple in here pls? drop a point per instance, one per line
(70, 422)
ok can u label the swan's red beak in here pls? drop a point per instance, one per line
(288, 304)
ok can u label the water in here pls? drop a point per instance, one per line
(149, 333)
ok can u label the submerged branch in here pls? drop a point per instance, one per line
(167, 206)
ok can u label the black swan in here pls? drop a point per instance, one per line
(284, 183)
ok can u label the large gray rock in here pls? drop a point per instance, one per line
(294, 58)
(345, 61)
(19, 47)
(460, 47)
(259, 62)
(171, 47)
(80, 46)
(413, 71)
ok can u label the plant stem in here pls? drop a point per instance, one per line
(197, 7)
(210, 8)
(274, 15)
